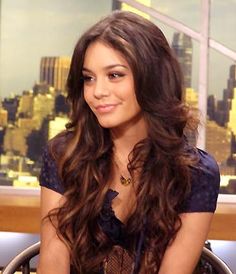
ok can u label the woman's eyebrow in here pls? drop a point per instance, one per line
(107, 67)
(115, 65)
(86, 69)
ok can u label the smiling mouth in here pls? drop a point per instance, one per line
(106, 108)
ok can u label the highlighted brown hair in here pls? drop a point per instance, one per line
(84, 151)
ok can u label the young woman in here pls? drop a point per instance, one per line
(122, 190)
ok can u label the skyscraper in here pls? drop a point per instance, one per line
(25, 107)
(3, 117)
(116, 5)
(15, 140)
(225, 116)
(218, 141)
(11, 105)
(226, 107)
(232, 77)
(54, 71)
(183, 48)
(42, 107)
(232, 113)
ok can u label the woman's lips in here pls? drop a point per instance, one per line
(105, 108)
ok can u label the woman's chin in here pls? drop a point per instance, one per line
(107, 124)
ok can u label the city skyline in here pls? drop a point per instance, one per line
(35, 116)
(57, 36)
(28, 120)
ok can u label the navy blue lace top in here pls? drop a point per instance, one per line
(202, 198)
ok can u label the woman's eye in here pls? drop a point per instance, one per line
(115, 75)
(87, 78)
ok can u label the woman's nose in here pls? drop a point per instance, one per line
(101, 88)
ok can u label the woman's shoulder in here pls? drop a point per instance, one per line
(49, 175)
(203, 163)
(207, 163)
(207, 170)
(205, 183)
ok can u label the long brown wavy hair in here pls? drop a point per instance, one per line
(84, 151)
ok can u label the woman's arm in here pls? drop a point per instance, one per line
(54, 255)
(183, 254)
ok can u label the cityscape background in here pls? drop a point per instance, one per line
(35, 59)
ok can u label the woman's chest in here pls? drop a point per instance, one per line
(124, 203)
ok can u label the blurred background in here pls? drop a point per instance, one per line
(37, 41)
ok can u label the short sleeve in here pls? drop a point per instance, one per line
(49, 177)
(205, 183)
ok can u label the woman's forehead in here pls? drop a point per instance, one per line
(100, 53)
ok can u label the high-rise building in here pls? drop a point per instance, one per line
(15, 140)
(211, 107)
(61, 105)
(231, 161)
(232, 113)
(25, 108)
(116, 5)
(43, 88)
(225, 116)
(11, 105)
(218, 142)
(232, 77)
(54, 71)
(183, 48)
(3, 117)
(2, 133)
(43, 107)
(26, 123)
(226, 106)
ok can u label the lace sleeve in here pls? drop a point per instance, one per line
(49, 177)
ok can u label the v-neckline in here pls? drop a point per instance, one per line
(112, 196)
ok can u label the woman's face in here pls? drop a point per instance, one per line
(109, 87)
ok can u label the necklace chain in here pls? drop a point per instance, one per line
(125, 181)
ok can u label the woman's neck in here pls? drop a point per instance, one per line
(125, 139)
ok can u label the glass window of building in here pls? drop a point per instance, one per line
(218, 103)
(221, 98)
(37, 40)
(35, 57)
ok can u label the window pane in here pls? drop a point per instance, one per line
(185, 11)
(221, 124)
(223, 22)
(37, 41)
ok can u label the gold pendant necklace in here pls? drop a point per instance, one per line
(124, 181)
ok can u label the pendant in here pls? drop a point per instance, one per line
(124, 181)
